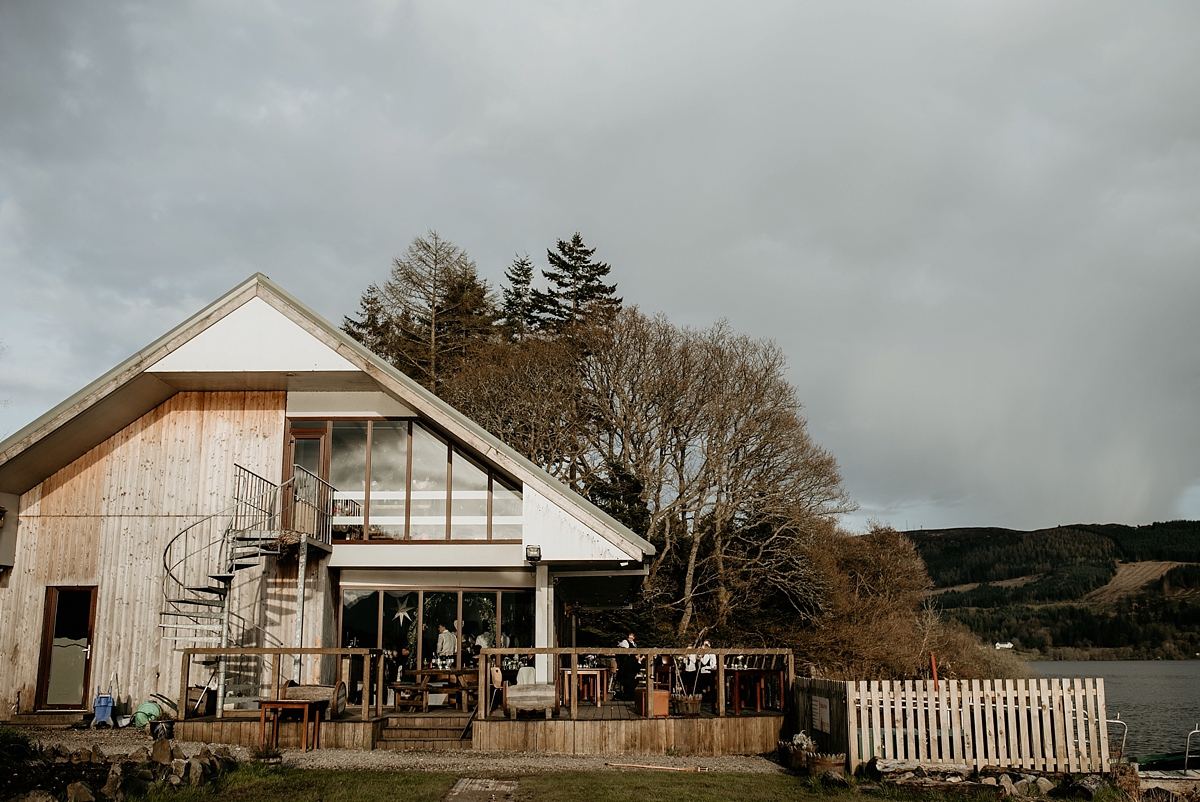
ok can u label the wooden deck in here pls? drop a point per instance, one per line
(613, 729)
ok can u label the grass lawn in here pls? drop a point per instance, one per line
(253, 783)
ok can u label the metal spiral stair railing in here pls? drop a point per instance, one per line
(202, 561)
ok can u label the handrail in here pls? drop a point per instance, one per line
(1187, 751)
(1124, 735)
(369, 656)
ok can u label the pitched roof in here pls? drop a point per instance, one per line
(134, 387)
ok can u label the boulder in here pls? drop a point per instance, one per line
(1022, 787)
(179, 768)
(81, 756)
(1044, 785)
(79, 792)
(115, 774)
(195, 772)
(97, 755)
(37, 796)
(988, 781)
(1088, 786)
(177, 753)
(174, 781)
(1007, 784)
(161, 753)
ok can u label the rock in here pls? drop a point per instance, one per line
(139, 756)
(161, 753)
(988, 781)
(145, 775)
(896, 766)
(954, 778)
(1044, 786)
(177, 753)
(81, 756)
(195, 772)
(908, 775)
(174, 781)
(37, 796)
(179, 768)
(1088, 786)
(1007, 784)
(79, 792)
(1022, 786)
(97, 755)
(115, 773)
(222, 751)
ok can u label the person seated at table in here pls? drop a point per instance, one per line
(447, 642)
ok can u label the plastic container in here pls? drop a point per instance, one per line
(103, 707)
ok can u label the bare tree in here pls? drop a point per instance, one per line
(430, 313)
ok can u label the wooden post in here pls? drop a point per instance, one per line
(379, 687)
(278, 684)
(366, 700)
(574, 684)
(183, 684)
(721, 684)
(482, 685)
(650, 685)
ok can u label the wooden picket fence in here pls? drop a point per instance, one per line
(1055, 725)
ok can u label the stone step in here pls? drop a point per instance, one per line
(56, 718)
(425, 744)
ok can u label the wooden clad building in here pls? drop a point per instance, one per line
(257, 478)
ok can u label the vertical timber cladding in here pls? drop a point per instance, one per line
(105, 520)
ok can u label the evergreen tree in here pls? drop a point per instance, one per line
(517, 309)
(577, 293)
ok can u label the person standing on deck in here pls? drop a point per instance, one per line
(627, 668)
(708, 673)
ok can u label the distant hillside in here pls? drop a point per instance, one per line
(1072, 592)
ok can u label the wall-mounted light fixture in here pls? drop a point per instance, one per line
(533, 554)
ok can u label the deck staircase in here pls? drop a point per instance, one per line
(444, 731)
(203, 563)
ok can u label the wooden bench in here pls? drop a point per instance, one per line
(531, 697)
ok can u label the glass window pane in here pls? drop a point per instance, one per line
(389, 469)
(507, 510)
(429, 466)
(399, 633)
(308, 454)
(468, 519)
(439, 637)
(348, 475)
(516, 618)
(360, 619)
(479, 625)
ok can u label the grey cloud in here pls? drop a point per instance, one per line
(971, 226)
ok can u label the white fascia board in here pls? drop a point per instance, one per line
(428, 555)
(411, 580)
(255, 337)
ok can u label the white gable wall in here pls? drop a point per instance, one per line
(255, 337)
(562, 537)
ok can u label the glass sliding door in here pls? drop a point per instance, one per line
(478, 624)
(440, 627)
(516, 618)
(399, 632)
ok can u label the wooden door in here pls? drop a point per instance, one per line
(65, 668)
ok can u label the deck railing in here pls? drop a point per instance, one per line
(370, 657)
(565, 661)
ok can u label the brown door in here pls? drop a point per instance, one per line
(65, 668)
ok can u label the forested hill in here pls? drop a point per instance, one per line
(1084, 590)
(987, 554)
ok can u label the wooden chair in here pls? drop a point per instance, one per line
(499, 686)
(468, 690)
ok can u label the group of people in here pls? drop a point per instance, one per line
(697, 671)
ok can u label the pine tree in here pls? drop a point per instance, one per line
(517, 310)
(577, 294)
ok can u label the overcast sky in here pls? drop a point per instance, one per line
(973, 227)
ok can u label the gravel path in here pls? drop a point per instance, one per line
(508, 764)
(468, 763)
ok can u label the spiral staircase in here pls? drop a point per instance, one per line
(204, 566)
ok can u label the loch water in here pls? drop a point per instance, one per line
(1158, 699)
